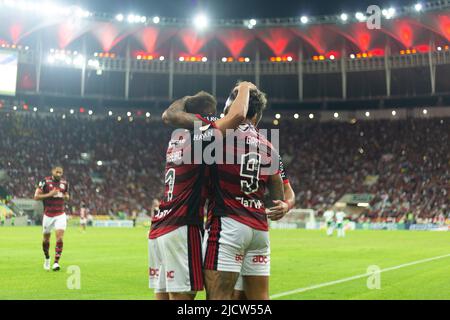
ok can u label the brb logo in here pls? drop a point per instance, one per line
(170, 275)
(154, 272)
(260, 259)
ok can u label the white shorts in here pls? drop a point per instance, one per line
(175, 261)
(57, 223)
(83, 221)
(232, 246)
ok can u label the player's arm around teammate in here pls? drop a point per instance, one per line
(177, 116)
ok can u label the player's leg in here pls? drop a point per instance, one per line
(224, 250)
(60, 227)
(256, 267)
(47, 227)
(182, 260)
(239, 293)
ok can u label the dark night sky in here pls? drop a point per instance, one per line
(233, 8)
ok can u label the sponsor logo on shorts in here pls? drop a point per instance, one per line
(170, 274)
(260, 259)
(239, 257)
(154, 272)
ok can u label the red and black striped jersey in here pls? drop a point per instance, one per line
(54, 206)
(283, 173)
(185, 180)
(240, 185)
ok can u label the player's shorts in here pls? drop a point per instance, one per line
(57, 223)
(232, 246)
(175, 261)
(329, 223)
(83, 221)
(339, 225)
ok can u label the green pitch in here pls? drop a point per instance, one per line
(113, 264)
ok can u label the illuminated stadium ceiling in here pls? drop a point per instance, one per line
(409, 27)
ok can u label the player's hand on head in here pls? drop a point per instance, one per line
(278, 211)
(246, 84)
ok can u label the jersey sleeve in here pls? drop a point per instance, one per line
(207, 120)
(283, 173)
(41, 185)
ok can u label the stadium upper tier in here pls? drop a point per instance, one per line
(72, 52)
(118, 165)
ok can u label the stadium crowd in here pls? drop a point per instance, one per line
(117, 166)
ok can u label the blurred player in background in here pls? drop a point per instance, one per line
(84, 211)
(53, 191)
(340, 215)
(329, 221)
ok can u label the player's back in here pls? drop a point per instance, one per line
(240, 184)
(184, 178)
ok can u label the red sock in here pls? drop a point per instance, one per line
(58, 250)
(45, 247)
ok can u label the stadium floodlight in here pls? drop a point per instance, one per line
(296, 116)
(304, 19)
(119, 118)
(224, 59)
(156, 20)
(277, 116)
(148, 114)
(128, 114)
(15, 108)
(161, 58)
(99, 163)
(344, 17)
(143, 19)
(204, 59)
(418, 7)
(247, 59)
(72, 111)
(90, 112)
(311, 116)
(394, 113)
(119, 17)
(35, 109)
(64, 116)
(289, 58)
(110, 113)
(439, 48)
(424, 111)
(51, 110)
(336, 115)
(367, 114)
(360, 16)
(332, 57)
(200, 21)
(352, 56)
(388, 13)
(252, 22)
(131, 18)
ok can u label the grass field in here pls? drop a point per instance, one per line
(113, 264)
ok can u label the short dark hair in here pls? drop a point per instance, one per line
(257, 102)
(202, 103)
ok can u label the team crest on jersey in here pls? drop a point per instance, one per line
(62, 186)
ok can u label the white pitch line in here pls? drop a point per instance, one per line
(326, 284)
